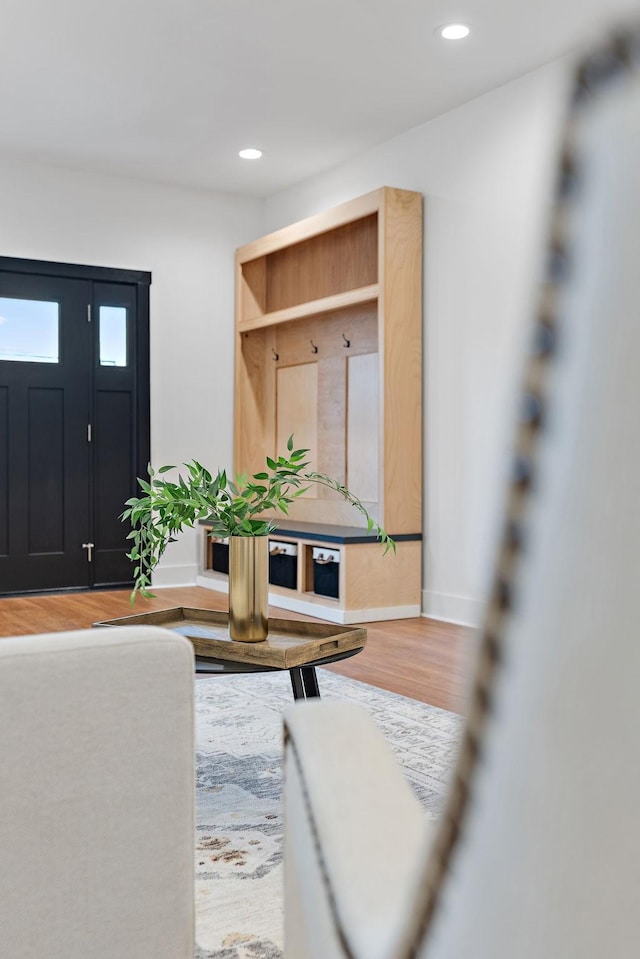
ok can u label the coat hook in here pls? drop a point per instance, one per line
(347, 343)
(314, 348)
(276, 356)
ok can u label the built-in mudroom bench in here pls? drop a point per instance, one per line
(328, 347)
(338, 573)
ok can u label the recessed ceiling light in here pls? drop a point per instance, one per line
(250, 154)
(454, 31)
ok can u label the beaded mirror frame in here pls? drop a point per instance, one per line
(616, 60)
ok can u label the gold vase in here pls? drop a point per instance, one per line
(248, 588)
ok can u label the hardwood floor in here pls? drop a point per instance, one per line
(421, 658)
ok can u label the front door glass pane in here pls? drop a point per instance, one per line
(113, 336)
(29, 330)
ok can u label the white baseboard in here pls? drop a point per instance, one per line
(212, 581)
(461, 610)
(447, 607)
(166, 576)
(343, 617)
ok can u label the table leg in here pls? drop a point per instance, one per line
(304, 682)
(297, 683)
(310, 680)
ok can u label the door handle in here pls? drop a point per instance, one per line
(89, 548)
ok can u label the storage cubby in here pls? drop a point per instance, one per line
(326, 571)
(329, 348)
(283, 564)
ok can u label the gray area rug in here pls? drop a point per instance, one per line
(239, 910)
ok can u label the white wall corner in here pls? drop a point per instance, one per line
(462, 610)
(184, 575)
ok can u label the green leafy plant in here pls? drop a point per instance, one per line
(232, 508)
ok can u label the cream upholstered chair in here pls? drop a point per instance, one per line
(97, 795)
(538, 851)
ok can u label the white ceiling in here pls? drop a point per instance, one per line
(170, 90)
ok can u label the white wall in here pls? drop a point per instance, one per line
(485, 170)
(186, 238)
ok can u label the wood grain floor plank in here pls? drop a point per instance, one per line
(424, 659)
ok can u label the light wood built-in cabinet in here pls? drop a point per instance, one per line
(329, 348)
